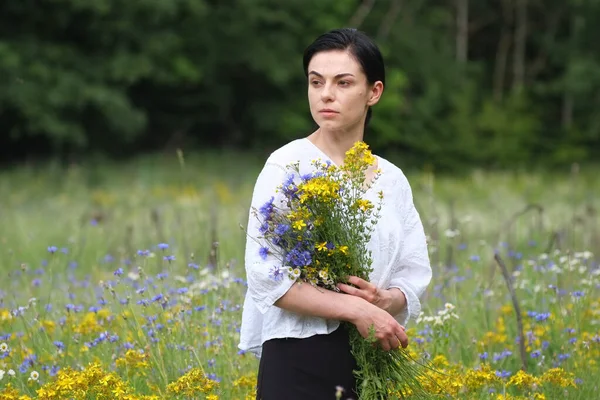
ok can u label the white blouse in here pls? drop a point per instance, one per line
(398, 246)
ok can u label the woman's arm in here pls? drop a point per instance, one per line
(307, 300)
(412, 269)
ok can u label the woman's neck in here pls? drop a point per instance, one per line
(335, 144)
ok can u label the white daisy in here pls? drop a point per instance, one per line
(34, 376)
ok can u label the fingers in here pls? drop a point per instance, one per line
(349, 289)
(361, 283)
(401, 336)
(364, 294)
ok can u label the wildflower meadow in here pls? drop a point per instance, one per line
(127, 282)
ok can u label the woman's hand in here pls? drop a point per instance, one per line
(388, 331)
(382, 298)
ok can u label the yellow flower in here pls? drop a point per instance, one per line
(559, 377)
(343, 249)
(364, 205)
(298, 225)
(321, 246)
(523, 380)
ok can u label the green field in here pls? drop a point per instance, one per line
(87, 312)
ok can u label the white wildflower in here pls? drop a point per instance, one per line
(2, 374)
(3, 347)
(34, 376)
(451, 233)
(11, 372)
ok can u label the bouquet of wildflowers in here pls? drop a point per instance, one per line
(321, 237)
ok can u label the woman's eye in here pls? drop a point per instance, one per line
(344, 83)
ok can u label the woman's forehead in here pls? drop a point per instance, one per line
(334, 62)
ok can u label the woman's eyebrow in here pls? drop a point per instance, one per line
(337, 76)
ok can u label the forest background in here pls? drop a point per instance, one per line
(493, 84)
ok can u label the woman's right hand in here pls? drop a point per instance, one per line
(388, 331)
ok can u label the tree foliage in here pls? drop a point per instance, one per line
(492, 83)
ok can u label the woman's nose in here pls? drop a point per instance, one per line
(327, 92)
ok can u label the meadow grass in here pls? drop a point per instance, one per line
(127, 280)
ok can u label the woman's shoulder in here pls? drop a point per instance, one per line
(394, 174)
(288, 153)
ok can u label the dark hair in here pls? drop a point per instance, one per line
(362, 48)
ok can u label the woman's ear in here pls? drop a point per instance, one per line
(375, 93)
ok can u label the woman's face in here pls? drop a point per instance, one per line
(338, 91)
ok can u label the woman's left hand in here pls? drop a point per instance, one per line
(380, 297)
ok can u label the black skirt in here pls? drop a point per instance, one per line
(311, 368)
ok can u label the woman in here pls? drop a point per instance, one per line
(294, 328)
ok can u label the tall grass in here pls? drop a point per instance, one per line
(138, 267)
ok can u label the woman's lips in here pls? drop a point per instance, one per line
(328, 113)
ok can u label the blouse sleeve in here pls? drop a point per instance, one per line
(412, 270)
(265, 285)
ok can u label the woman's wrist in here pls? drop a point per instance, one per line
(394, 301)
(354, 309)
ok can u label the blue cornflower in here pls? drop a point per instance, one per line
(542, 317)
(162, 275)
(535, 354)
(169, 258)
(143, 253)
(52, 249)
(578, 293)
(182, 290)
(267, 209)
(54, 370)
(289, 188)
(281, 229)
(36, 282)
(193, 265)
(475, 258)
(483, 356)
(113, 338)
(163, 246)
(264, 227)
(263, 252)
(59, 345)
(562, 357)
(503, 374)
(276, 273)
(118, 272)
(94, 309)
(573, 340)
(545, 344)
(158, 297)
(108, 258)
